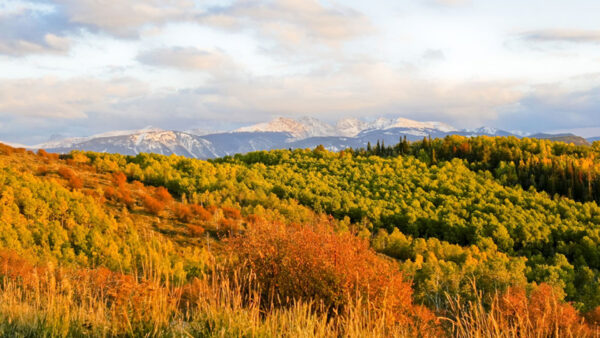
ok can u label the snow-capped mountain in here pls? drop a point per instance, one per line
(280, 133)
(350, 127)
(400, 122)
(56, 142)
(301, 128)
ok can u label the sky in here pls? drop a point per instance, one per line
(81, 67)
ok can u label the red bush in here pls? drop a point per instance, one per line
(42, 170)
(543, 310)
(195, 230)
(68, 174)
(301, 262)
(163, 195)
(119, 179)
(232, 213)
(183, 213)
(153, 205)
(203, 214)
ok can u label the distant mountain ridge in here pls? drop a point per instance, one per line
(279, 133)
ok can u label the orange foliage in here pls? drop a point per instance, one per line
(302, 263)
(227, 224)
(127, 299)
(138, 184)
(119, 179)
(232, 213)
(111, 194)
(195, 230)
(42, 170)
(543, 311)
(74, 181)
(203, 214)
(163, 195)
(125, 196)
(153, 205)
(594, 316)
(13, 266)
(183, 213)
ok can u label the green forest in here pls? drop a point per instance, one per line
(463, 223)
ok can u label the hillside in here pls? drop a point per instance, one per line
(566, 138)
(304, 241)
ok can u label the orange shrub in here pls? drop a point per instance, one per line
(543, 312)
(195, 230)
(227, 225)
(75, 182)
(42, 170)
(201, 213)
(183, 213)
(315, 263)
(110, 193)
(68, 174)
(230, 212)
(125, 196)
(5, 149)
(153, 205)
(138, 184)
(163, 195)
(119, 179)
(65, 172)
(13, 265)
(42, 153)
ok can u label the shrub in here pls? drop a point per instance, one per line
(232, 213)
(203, 214)
(195, 230)
(153, 205)
(119, 179)
(314, 263)
(183, 213)
(42, 170)
(68, 174)
(163, 195)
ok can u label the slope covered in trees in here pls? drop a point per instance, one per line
(293, 235)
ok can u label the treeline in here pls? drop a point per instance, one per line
(555, 167)
(283, 241)
(556, 238)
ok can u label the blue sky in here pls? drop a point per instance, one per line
(79, 67)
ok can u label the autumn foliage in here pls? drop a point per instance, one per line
(153, 205)
(304, 263)
(74, 181)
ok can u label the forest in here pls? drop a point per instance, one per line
(481, 236)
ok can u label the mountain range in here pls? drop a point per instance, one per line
(280, 133)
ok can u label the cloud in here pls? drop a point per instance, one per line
(48, 45)
(65, 99)
(563, 35)
(186, 58)
(434, 55)
(450, 3)
(553, 106)
(125, 18)
(32, 30)
(291, 22)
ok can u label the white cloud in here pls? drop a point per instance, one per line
(66, 99)
(186, 58)
(292, 22)
(50, 44)
(563, 35)
(125, 18)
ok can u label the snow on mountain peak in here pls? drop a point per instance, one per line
(401, 122)
(280, 124)
(350, 127)
(301, 128)
(310, 127)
